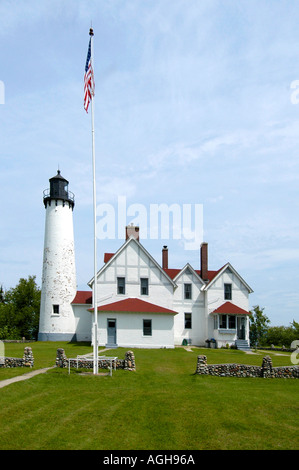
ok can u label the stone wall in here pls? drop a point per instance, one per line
(242, 370)
(128, 363)
(26, 361)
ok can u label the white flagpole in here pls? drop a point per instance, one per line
(95, 303)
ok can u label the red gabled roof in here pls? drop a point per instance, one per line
(134, 306)
(230, 309)
(172, 273)
(83, 297)
(211, 274)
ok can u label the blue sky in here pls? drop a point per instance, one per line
(193, 106)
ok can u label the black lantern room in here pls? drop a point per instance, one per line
(59, 191)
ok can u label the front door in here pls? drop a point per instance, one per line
(241, 328)
(111, 331)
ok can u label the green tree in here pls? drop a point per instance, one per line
(19, 311)
(1, 294)
(295, 326)
(283, 335)
(258, 326)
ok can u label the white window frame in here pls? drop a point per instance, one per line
(228, 295)
(118, 285)
(142, 279)
(189, 292)
(226, 328)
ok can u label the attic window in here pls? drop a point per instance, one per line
(188, 291)
(144, 286)
(227, 291)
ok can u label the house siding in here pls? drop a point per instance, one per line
(133, 264)
(129, 330)
(195, 306)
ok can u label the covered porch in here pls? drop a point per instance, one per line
(231, 326)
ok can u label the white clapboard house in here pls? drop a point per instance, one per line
(145, 304)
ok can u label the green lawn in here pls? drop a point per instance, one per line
(162, 405)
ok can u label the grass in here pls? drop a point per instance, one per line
(162, 405)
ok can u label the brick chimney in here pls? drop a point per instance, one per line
(204, 261)
(165, 257)
(132, 230)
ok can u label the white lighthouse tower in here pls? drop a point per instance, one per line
(57, 322)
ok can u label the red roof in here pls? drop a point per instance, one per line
(134, 306)
(172, 273)
(107, 257)
(230, 309)
(211, 274)
(83, 297)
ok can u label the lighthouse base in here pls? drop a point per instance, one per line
(70, 337)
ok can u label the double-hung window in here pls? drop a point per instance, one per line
(222, 321)
(188, 321)
(188, 291)
(121, 285)
(144, 286)
(231, 322)
(227, 291)
(227, 322)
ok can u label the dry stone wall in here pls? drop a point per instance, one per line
(243, 370)
(26, 361)
(128, 363)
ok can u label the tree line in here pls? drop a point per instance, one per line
(261, 334)
(19, 310)
(20, 306)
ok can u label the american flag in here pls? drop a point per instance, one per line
(88, 79)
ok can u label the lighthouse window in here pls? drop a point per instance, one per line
(56, 309)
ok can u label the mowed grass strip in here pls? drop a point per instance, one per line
(162, 405)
